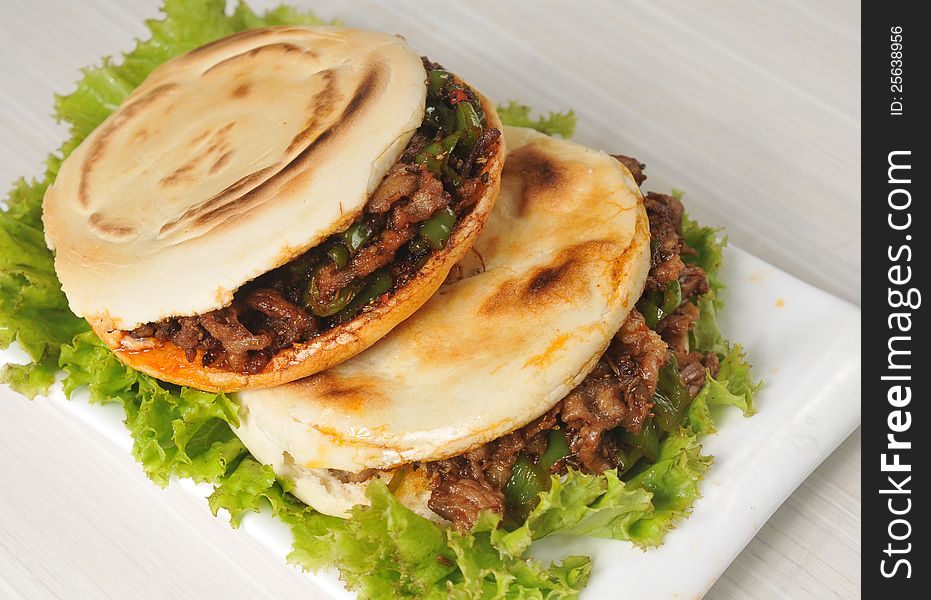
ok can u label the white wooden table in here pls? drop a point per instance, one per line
(751, 107)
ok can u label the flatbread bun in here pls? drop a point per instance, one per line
(225, 163)
(228, 162)
(528, 312)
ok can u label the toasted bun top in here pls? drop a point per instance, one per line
(560, 263)
(225, 163)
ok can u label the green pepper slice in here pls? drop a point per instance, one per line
(523, 488)
(627, 457)
(300, 267)
(672, 296)
(441, 116)
(356, 236)
(419, 246)
(436, 155)
(644, 444)
(449, 142)
(652, 313)
(557, 448)
(397, 478)
(373, 286)
(454, 178)
(671, 398)
(339, 254)
(431, 150)
(670, 403)
(432, 157)
(468, 123)
(656, 306)
(437, 229)
(466, 116)
(436, 81)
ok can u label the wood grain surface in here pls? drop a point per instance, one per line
(752, 108)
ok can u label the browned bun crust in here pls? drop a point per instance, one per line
(167, 362)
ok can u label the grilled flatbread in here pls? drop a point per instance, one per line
(233, 160)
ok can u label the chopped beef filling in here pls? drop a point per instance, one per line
(634, 166)
(617, 393)
(411, 214)
(674, 329)
(616, 397)
(460, 500)
(665, 213)
(467, 484)
(350, 477)
(693, 280)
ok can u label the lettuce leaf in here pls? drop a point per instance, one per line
(252, 486)
(382, 551)
(580, 504)
(31, 379)
(673, 482)
(706, 336)
(376, 553)
(733, 385)
(639, 510)
(33, 310)
(387, 551)
(709, 251)
(370, 548)
(487, 569)
(698, 419)
(518, 115)
(176, 431)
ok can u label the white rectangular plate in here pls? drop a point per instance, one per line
(803, 342)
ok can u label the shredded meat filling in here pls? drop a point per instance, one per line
(617, 393)
(480, 151)
(461, 500)
(665, 214)
(237, 341)
(350, 477)
(401, 181)
(675, 328)
(634, 166)
(693, 280)
(331, 279)
(413, 195)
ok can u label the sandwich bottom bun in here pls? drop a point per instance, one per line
(322, 490)
(329, 491)
(522, 320)
(166, 361)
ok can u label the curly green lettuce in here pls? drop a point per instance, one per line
(556, 123)
(387, 551)
(251, 487)
(709, 250)
(176, 431)
(383, 550)
(33, 309)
